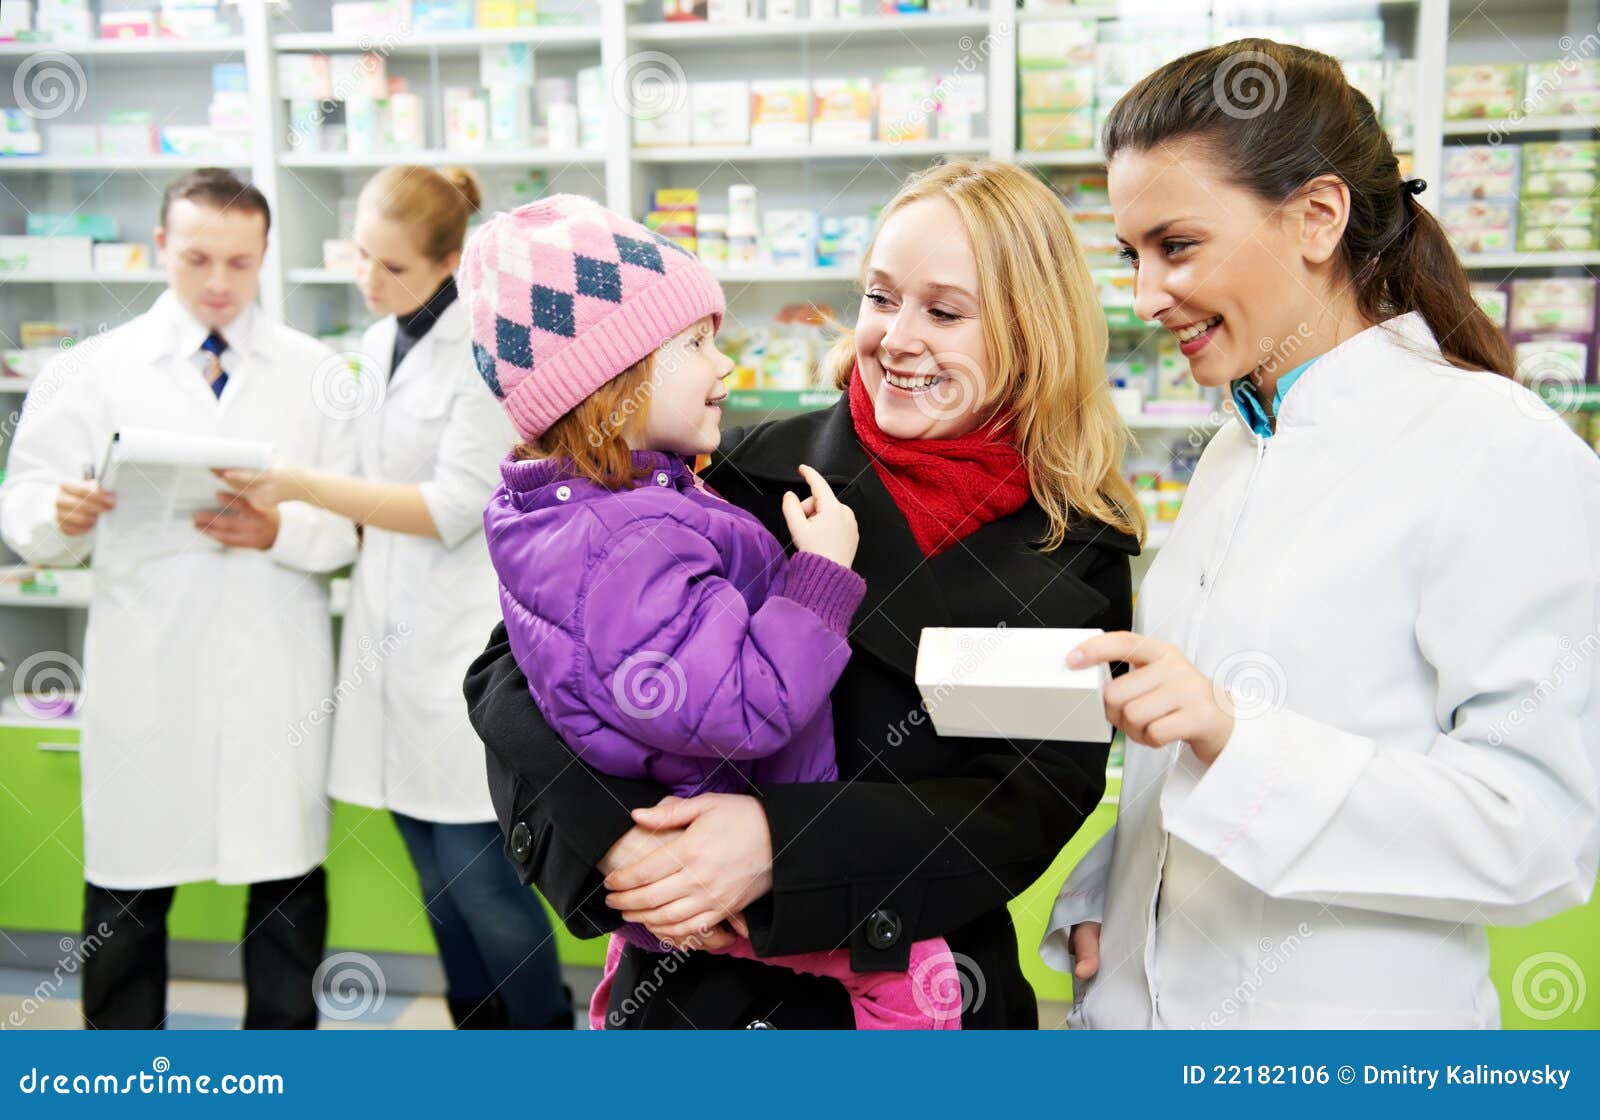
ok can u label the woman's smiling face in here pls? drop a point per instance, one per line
(919, 337)
(1230, 277)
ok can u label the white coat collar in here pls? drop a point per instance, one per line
(449, 331)
(175, 332)
(1355, 378)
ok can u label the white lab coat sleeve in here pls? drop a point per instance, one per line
(1082, 899)
(466, 469)
(310, 538)
(1495, 823)
(60, 432)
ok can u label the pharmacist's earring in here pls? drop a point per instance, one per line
(1415, 186)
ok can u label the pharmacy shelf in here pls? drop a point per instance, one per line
(824, 31)
(817, 275)
(408, 42)
(11, 596)
(433, 157)
(880, 150)
(1571, 398)
(17, 386)
(112, 48)
(69, 723)
(1504, 262)
(1174, 422)
(1123, 9)
(1085, 157)
(724, 276)
(780, 400)
(302, 276)
(117, 164)
(149, 276)
(794, 400)
(1522, 125)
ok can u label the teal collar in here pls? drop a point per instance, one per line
(1249, 405)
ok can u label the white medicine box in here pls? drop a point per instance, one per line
(1011, 683)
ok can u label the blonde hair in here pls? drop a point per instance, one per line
(1045, 335)
(434, 205)
(592, 439)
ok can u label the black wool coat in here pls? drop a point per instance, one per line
(921, 837)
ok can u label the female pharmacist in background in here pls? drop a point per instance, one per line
(980, 450)
(1381, 723)
(422, 595)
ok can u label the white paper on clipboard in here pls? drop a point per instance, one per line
(166, 476)
(1011, 683)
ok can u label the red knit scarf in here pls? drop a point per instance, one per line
(945, 488)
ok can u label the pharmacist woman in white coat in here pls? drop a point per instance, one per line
(1366, 662)
(423, 593)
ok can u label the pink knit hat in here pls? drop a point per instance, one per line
(564, 295)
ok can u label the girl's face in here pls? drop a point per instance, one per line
(685, 390)
(394, 276)
(919, 336)
(1242, 286)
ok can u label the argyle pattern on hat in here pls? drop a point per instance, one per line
(564, 295)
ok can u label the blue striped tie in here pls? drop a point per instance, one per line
(214, 345)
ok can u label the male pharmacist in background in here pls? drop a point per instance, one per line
(206, 641)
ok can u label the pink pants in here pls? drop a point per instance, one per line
(926, 997)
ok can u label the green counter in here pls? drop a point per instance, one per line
(375, 904)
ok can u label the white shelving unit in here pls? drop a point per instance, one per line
(442, 42)
(922, 151)
(303, 185)
(372, 161)
(908, 29)
(173, 78)
(150, 276)
(1523, 126)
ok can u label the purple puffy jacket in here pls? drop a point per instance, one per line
(664, 634)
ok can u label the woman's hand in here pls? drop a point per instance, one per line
(265, 489)
(1084, 940)
(239, 523)
(634, 845)
(822, 523)
(718, 865)
(1162, 698)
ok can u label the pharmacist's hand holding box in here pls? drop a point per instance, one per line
(1162, 698)
(1011, 683)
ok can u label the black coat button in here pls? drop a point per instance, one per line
(521, 842)
(883, 929)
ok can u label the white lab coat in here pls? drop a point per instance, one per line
(421, 609)
(1400, 587)
(199, 659)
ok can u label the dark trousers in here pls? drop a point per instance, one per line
(125, 977)
(494, 939)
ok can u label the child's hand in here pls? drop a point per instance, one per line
(822, 523)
